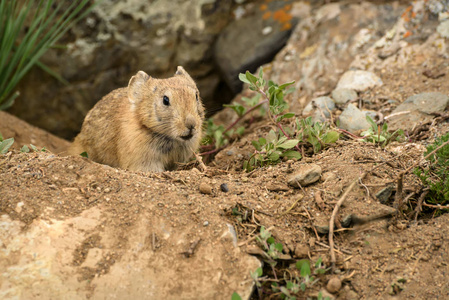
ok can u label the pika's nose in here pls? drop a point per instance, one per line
(190, 122)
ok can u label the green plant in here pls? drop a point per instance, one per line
(5, 144)
(436, 175)
(25, 149)
(282, 143)
(236, 296)
(380, 134)
(27, 31)
(300, 283)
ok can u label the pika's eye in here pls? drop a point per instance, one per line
(166, 101)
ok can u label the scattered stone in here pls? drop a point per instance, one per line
(352, 119)
(205, 188)
(359, 80)
(305, 175)
(416, 109)
(318, 107)
(277, 187)
(384, 194)
(301, 250)
(224, 187)
(206, 223)
(334, 285)
(343, 96)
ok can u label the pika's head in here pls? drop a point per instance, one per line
(168, 108)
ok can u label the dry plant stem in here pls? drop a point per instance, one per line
(201, 165)
(436, 206)
(334, 214)
(252, 238)
(319, 201)
(246, 113)
(418, 208)
(399, 200)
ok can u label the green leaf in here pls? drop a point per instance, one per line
(292, 154)
(279, 247)
(270, 240)
(84, 154)
(235, 296)
(274, 156)
(252, 79)
(271, 137)
(25, 149)
(259, 271)
(34, 148)
(256, 145)
(283, 86)
(242, 78)
(1, 137)
(303, 266)
(239, 109)
(5, 145)
(240, 130)
(372, 123)
(288, 144)
(331, 137)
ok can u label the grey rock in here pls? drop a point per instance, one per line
(318, 107)
(305, 175)
(352, 119)
(342, 96)
(418, 108)
(245, 45)
(429, 103)
(359, 80)
(384, 194)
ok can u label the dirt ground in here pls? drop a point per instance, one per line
(397, 258)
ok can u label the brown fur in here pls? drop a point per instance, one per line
(133, 129)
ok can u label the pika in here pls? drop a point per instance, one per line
(151, 125)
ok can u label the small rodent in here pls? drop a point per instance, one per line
(151, 125)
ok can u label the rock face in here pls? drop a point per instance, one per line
(325, 42)
(135, 238)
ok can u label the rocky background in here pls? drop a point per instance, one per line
(213, 39)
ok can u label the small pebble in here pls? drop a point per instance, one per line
(334, 285)
(301, 251)
(70, 167)
(224, 187)
(205, 188)
(206, 223)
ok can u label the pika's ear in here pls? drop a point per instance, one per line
(181, 72)
(135, 86)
